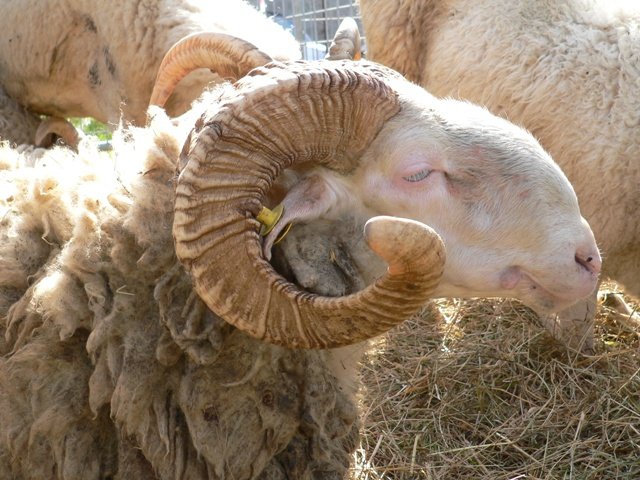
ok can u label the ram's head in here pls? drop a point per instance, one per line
(360, 140)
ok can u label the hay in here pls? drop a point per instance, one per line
(475, 390)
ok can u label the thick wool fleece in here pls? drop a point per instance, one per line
(17, 125)
(111, 366)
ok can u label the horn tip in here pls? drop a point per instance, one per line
(403, 241)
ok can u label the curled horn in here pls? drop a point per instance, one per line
(346, 42)
(228, 56)
(52, 128)
(281, 115)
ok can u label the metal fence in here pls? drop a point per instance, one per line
(312, 22)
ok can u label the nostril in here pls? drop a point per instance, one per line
(590, 262)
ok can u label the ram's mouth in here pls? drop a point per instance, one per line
(535, 293)
(545, 299)
(542, 300)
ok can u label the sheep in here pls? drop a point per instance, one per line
(21, 127)
(68, 224)
(567, 72)
(114, 362)
(17, 125)
(100, 59)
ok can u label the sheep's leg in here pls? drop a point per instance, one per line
(624, 313)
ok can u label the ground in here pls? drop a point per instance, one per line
(476, 390)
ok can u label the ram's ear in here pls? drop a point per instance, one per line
(307, 200)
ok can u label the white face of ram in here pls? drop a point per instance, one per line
(507, 214)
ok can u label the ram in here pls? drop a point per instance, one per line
(114, 362)
(567, 72)
(99, 59)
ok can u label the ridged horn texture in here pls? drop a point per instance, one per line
(326, 113)
(53, 127)
(228, 56)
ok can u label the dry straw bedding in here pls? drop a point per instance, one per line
(475, 390)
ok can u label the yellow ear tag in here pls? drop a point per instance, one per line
(269, 219)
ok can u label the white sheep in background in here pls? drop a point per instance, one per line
(113, 362)
(567, 71)
(84, 58)
(17, 125)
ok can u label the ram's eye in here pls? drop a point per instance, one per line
(416, 177)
